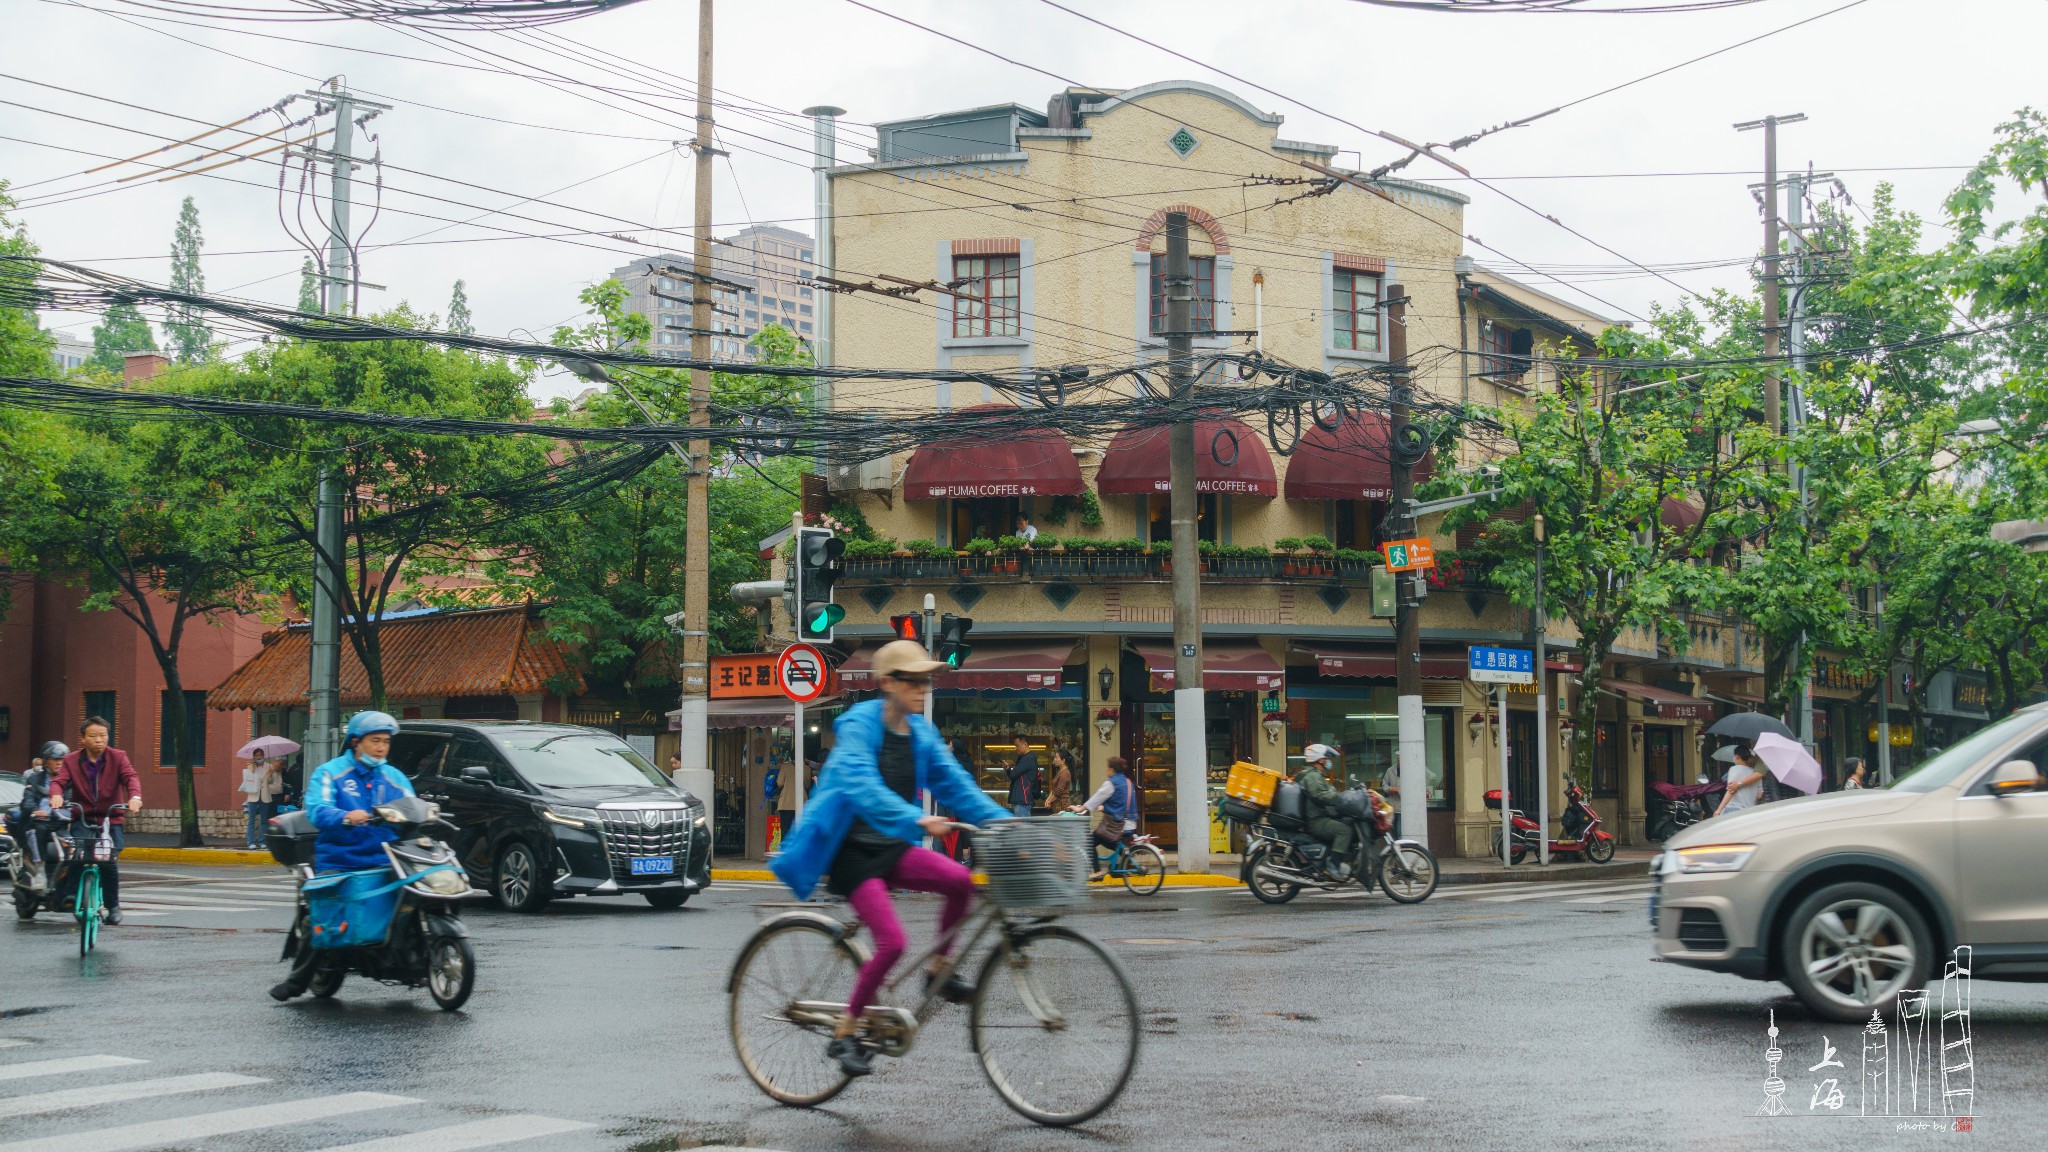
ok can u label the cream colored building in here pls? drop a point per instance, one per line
(1039, 235)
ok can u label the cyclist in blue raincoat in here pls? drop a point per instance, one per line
(342, 792)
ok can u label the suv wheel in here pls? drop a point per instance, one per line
(521, 884)
(1849, 949)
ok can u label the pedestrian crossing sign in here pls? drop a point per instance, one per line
(1408, 555)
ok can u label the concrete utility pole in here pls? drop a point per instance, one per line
(1536, 645)
(1773, 330)
(1795, 333)
(1413, 749)
(694, 739)
(1190, 727)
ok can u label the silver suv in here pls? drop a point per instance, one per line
(1852, 897)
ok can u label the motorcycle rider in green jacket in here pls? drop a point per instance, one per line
(1323, 823)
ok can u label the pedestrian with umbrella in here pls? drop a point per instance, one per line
(1745, 782)
(1793, 771)
(262, 783)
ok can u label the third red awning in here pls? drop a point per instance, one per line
(1377, 662)
(1035, 463)
(998, 665)
(1229, 457)
(1349, 462)
(1227, 666)
(1663, 703)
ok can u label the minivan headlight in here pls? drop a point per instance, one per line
(1710, 858)
(570, 817)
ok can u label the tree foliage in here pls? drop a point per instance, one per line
(190, 336)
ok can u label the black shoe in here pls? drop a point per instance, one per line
(285, 991)
(954, 991)
(112, 916)
(854, 1060)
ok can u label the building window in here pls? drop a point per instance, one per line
(806, 255)
(1607, 759)
(753, 315)
(104, 705)
(805, 309)
(1355, 311)
(805, 326)
(807, 293)
(1493, 349)
(789, 305)
(750, 295)
(986, 301)
(768, 301)
(195, 726)
(1158, 512)
(1356, 524)
(1204, 270)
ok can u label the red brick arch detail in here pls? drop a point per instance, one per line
(1156, 223)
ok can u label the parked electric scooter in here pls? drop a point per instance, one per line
(1683, 805)
(398, 925)
(1581, 825)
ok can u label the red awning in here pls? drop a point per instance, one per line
(1677, 515)
(994, 665)
(1229, 457)
(1377, 662)
(1227, 666)
(1662, 702)
(1036, 463)
(749, 712)
(1349, 462)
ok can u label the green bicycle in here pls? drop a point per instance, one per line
(90, 906)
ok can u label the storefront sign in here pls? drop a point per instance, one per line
(1836, 674)
(1668, 710)
(748, 674)
(1499, 665)
(1902, 735)
(1973, 694)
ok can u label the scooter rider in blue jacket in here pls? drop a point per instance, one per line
(339, 798)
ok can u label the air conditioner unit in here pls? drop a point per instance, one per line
(875, 475)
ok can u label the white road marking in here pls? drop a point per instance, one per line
(120, 1093)
(6, 1043)
(64, 1066)
(189, 1128)
(224, 886)
(1492, 889)
(1518, 897)
(1621, 899)
(161, 908)
(476, 1134)
(180, 895)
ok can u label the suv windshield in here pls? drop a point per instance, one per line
(578, 760)
(1944, 769)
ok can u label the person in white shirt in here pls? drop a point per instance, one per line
(1117, 800)
(260, 787)
(1026, 530)
(1745, 783)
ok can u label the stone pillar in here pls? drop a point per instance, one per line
(1634, 813)
(1475, 769)
(1103, 652)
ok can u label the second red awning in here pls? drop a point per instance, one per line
(1663, 703)
(994, 665)
(1034, 463)
(1377, 662)
(1227, 666)
(1229, 458)
(1350, 462)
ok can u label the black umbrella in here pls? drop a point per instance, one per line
(1748, 726)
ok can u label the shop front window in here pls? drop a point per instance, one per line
(1366, 730)
(1227, 737)
(982, 730)
(1159, 516)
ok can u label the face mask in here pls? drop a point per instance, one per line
(371, 761)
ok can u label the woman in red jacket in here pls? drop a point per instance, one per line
(97, 778)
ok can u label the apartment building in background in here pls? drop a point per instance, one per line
(760, 278)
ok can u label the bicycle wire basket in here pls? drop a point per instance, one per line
(1034, 861)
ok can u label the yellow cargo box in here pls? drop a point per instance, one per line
(1251, 783)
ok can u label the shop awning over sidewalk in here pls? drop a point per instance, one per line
(1037, 463)
(749, 712)
(1229, 457)
(1353, 461)
(1368, 661)
(486, 652)
(1227, 666)
(994, 665)
(1663, 703)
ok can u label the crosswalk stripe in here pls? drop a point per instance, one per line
(476, 1134)
(63, 1066)
(1520, 896)
(99, 1094)
(1643, 894)
(155, 1132)
(5, 1043)
(175, 886)
(163, 896)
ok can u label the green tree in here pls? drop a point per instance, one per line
(185, 326)
(458, 312)
(309, 287)
(120, 331)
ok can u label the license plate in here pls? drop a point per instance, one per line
(654, 865)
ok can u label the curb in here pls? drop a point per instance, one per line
(1173, 879)
(218, 857)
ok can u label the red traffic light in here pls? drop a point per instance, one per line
(908, 626)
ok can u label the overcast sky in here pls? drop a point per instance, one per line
(1905, 91)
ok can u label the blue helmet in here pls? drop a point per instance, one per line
(363, 723)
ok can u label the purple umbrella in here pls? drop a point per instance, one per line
(268, 747)
(1789, 762)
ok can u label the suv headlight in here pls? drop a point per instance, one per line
(1709, 858)
(570, 817)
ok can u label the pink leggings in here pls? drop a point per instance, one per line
(920, 870)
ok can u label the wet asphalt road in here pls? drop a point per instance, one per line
(1489, 1018)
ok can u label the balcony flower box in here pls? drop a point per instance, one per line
(1356, 568)
(1122, 558)
(1245, 567)
(871, 568)
(1065, 564)
(928, 567)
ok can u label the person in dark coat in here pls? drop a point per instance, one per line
(1023, 778)
(98, 779)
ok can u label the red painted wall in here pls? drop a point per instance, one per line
(51, 654)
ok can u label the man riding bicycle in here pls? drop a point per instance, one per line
(862, 824)
(99, 780)
(1323, 823)
(341, 798)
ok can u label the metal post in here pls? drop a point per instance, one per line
(796, 757)
(1190, 727)
(323, 708)
(1536, 625)
(1507, 793)
(824, 140)
(1412, 747)
(694, 734)
(931, 648)
(1884, 701)
(1795, 208)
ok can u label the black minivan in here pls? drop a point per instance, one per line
(551, 810)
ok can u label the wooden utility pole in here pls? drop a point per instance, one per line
(695, 736)
(1411, 743)
(1190, 727)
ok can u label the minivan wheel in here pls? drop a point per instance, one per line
(1849, 949)
(667, 898)
(520, 884)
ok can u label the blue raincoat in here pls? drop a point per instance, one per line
(850, 785)
(339, 787)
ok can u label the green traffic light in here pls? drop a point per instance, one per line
(824, 616)
(958, 655)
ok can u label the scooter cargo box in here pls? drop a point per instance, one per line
(1289, 812)
(290, 838)
(1239, 812)
(1493, 799)
(1251, 783)
(352, 909)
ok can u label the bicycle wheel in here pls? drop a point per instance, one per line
(1409, 874)
(87, 909)
(1144, 870)
(1055, 1023)
(789, 984)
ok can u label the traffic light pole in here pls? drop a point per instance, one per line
(1412, 744)
(694, 743)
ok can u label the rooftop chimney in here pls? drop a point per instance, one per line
(142, 365)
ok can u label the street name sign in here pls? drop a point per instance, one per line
(803, 672)
(1408, 555)
(1501, 665)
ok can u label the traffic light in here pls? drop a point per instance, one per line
(953, 647)
(909, 626)
(817, 569)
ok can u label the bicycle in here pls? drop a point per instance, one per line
(1139, 863)
(88, 905)
(1054, 1020)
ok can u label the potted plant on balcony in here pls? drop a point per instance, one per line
(1061, 556)
(1244, 562)
(1287, 546)
(975, 556)
(870, 559)
(1353, 564)
(1124, 556)
(924, 560)
(1321, 559)
(1010, 554)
